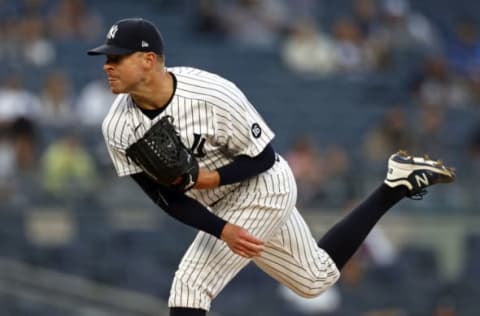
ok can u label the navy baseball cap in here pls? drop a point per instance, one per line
(131, 35)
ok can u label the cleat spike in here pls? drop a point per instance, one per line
(403, 153)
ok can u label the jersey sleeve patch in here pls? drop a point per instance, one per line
(256, 130)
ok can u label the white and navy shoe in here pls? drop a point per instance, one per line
(416, 173)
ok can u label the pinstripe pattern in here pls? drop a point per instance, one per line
(265, 207)
(294, 259)
(213, 112)
(203, 104)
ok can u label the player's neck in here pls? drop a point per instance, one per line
(156, 92)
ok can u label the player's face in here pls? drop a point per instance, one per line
(124, 72)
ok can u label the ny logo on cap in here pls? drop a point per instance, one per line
(112, 32)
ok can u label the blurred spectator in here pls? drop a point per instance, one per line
(19, 110)
(25, 143)
(57, 100)
(93, 103)
(390, 135)
(323, 177)
(405, 29)
(309, 170)
(17, 102)
(255, 23)
(437, 86)
(352, 51)
(340, 183)
(367, 17)
(308, 51)
(23, 35)
(463, 54)
(429, 131)
(74, 20)
(464, 49)
(207, 18)
(68, 169)
(36, 48)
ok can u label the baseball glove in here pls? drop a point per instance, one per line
(163, 156)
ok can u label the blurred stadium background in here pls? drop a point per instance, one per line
(344, 83)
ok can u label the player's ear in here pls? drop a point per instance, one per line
(150, 59)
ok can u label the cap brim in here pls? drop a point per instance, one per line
(106, 49)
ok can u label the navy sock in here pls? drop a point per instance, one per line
(343, 239)
(184, 311)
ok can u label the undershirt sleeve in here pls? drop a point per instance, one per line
(180, 206)
(244, 167)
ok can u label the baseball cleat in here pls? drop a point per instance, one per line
(416, 173)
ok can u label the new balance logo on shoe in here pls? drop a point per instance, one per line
(416, 173)
(422, 180)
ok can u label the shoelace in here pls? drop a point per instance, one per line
(419, 195)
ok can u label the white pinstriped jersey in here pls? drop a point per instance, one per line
(215, 120)
(212, 116)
